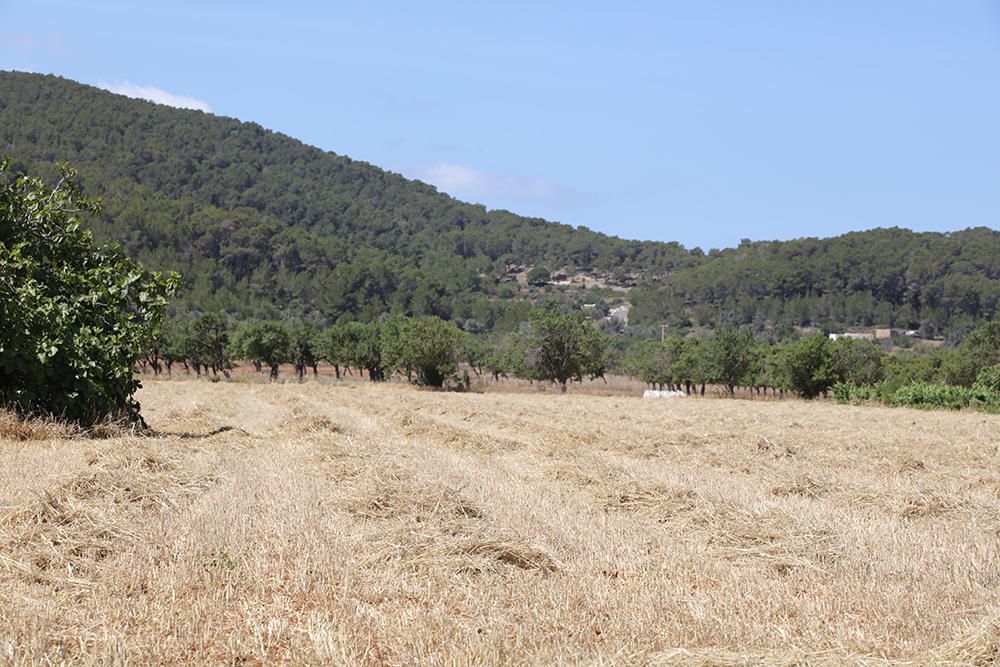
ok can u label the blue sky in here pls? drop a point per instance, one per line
(702, 122)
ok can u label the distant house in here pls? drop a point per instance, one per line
(852, 336)
(619, 316)
(883, 334)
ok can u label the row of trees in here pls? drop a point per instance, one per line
(562, 347)
(811, 366)
(552, 346)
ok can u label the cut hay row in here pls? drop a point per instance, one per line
(383, 525)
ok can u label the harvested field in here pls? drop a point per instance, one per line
(361, 524)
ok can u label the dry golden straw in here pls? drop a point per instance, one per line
(360, 524)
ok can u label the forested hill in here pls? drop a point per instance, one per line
(937, 283)
(261, 225)
(254, 219)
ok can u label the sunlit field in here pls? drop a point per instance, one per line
(365, 524)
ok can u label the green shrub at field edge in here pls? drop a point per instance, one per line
(924, 395)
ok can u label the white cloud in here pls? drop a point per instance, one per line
(154, 94)
(464, 181)
(456, 179)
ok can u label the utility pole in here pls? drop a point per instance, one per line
(663, 332)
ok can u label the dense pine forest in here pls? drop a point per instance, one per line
(262, 226)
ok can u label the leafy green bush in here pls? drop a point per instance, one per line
(563, 347)
(807, 366)
(932, 395)
(427, 345)
(539, 275)
(74, 317)
(986, 391)
(264, 344)
(850, 393)
(988, 379)
(926, 395)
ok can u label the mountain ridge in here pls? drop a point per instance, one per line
(263, 225)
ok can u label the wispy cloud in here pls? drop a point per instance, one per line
(23, 40)
(154, 94)
(31, 44)
(463, 181)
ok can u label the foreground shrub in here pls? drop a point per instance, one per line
(74, 317)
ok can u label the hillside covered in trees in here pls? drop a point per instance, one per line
(932, 282)
(262, 226)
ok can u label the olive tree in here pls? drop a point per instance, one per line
(264, 344)
(427, 345)
(563, 347)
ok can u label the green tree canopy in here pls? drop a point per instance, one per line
(427, 345)
(208, 343)
(303, 348)
(264, 343)
(563, 347)
(807, 366)
(363, 348)
(539, 275)
(731, 354)
(857, 362)
(74, 317)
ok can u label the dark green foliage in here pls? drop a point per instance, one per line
(562, 347)
(904, 368)
(363, 349)
(303, 348)
(332, 346)
(923, 395)
(264, 344)
(654, 362)
(988, 379)
(476, 351)
(857, 362)
(539, 275)
(74, 317)
(731, 358)
(807, 366)
(172, 344)
(931, 395)
(427, 345)
(937, 283)
(979, 350)
(207, 344)
(848, 392)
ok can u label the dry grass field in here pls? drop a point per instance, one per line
(358, 524)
